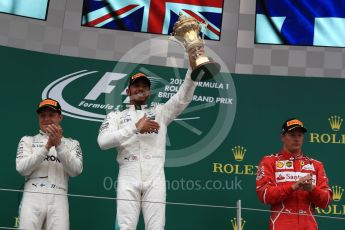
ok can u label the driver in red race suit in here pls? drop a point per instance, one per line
(292, 183)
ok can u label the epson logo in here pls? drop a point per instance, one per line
(52, 158)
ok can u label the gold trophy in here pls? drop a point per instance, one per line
(186, 32)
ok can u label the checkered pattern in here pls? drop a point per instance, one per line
(26, 33)
(63, 34)
(141, 47)
(282, 60)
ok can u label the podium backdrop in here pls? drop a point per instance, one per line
(213, 147)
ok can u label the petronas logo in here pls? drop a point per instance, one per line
(234, 224)
(335, 122)
(337, 193)
(239, 152)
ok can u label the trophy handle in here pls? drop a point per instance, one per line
(203, 27)
(172, 38)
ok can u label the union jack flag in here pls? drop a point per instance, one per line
(152, 16)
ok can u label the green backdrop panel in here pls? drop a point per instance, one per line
(212, 151)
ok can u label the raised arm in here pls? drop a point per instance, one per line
(177, 103)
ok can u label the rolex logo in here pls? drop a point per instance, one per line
(239, 152)
(335, 122)
(330, 138)
(234, 223)
(337, 192)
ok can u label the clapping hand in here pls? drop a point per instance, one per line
(54, 133)
(305, 183)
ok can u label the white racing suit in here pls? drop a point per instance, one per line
(46, 172)
(141, 159)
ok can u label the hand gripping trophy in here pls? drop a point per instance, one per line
(186, 32)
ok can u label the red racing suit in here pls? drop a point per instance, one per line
(292, 210)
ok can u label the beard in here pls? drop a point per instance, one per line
(139, 98)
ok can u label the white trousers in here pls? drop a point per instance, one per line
(153, 196)
(43, 211)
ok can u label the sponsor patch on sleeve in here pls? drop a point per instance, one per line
(261, 172)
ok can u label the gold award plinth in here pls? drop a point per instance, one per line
(186, 32)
